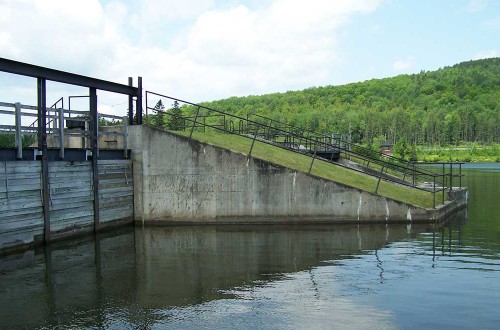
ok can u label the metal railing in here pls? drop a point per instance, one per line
(56, 119)
(390, 169)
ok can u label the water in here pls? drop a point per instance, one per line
(270, 277)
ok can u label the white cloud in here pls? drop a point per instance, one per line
(486, 54)
(190, 49)
(405, 64)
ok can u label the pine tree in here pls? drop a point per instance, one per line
(175, 122)
(158, 118)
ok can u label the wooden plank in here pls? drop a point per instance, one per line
(75, 223)
(69, 207)
(118, 190)
(111, 204)
(21, 226)
(18, 204)
(69, 174)
(77, 184)
(21, 216)
(71, 193)
(64, 215)
(64, 199)
(12, 176)
(116, 215)
(24, 187)
(11, 182)
(116, 176)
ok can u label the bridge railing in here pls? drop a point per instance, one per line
(392, 170)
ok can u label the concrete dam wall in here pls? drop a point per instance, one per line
(179, 180)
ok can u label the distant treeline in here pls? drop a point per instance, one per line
(450, 106)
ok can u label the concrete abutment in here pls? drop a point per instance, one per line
(178, 180)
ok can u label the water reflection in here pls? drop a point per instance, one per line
(131, 277)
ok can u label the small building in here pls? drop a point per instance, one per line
(387, 148)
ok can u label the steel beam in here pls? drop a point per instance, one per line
(35, 71)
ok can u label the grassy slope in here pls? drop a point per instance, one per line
(321, 169)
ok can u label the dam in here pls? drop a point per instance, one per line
(66, 174)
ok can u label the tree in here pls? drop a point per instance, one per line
(401, 148)
(158, 119)
(175, 122)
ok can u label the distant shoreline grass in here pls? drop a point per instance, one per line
(320, 168)
(461, 153)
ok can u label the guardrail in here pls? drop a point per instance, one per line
(56, 120)
(390, 169)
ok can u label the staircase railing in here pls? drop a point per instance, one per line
(390, 169)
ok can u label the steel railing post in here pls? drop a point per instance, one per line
(253, 141)
(19, 134)
(194, 122)
(434, 193)
(61, 132)
(379, 178)
(125, 137)
(314, 157)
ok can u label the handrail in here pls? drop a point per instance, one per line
(255, 129)
(58, 117)
(257, 123)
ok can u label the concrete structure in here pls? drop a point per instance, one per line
(179, 180)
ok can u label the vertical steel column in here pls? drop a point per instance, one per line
(95, 153)
(125, 138)
(130, 104)
(139, 101)
(19, 134)
(42, 144)
(61, 132)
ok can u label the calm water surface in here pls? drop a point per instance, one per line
(274, 277)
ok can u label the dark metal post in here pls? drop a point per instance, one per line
(460, 174)
(314, 157)
(130, 104)
(253, 141)
(434, 192)
(451, 177)
(19, 134)
(139, 101)
(95, 154)
(60, 112)
(42, 144)
(414, 173)
(379, 178)
(194, 122)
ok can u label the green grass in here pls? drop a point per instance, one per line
(471, 152)
(320, 168)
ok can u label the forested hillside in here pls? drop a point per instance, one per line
(449, 106)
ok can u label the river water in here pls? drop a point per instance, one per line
(269, 277)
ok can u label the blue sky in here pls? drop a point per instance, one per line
(203, 50)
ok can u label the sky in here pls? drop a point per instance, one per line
(202, 50)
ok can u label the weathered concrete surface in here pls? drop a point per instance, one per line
(181, 180)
